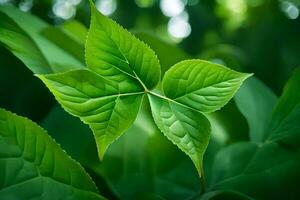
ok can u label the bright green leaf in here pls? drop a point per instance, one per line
(202, 85)
(111, 51)
(108, 107)
(33, 166)
(186, 128)
(256, 102)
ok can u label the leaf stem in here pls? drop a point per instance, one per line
(202, 180)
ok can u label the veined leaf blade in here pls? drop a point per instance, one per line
(202, 85)
(188, 129)
(108, 107)
(111, 50)
(35, 166)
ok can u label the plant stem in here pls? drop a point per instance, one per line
(202, 180)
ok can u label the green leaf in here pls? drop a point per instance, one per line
(108, 107)
(67, 43)
(268, 165)
(112, 51)
(186, 128)
(270, 170)
(33, 166)
(201, 85)
(75, 30)
(152, 164)
(29, 28)
(22, 46)
(225, 195)
(285, 121)
(256, 102)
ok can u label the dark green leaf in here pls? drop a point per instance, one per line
(256, 102)
(32, 165)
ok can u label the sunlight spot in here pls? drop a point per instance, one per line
(26, 5)
(290, 9)
(64, 9)
(74, 2)
(179, 27)
(4, 1)
(172, 8)
(106, 7)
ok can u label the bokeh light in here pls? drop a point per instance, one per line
(178, 27)
(4, 1)
(106, 7)
(290, 9)
(65, 9)
(234, 12)
(26, 5)
(172, 8)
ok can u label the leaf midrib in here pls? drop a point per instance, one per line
(200, 89)
(125, 59)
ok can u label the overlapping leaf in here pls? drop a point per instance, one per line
(273, 162)
(21, 45)
(111, 51)
(33, 166)
(121, 69)
(109, 107)
(22, 34)
(256, 101)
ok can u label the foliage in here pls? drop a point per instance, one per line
(113, 82)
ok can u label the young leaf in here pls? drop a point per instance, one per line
(202, 85)
(111, 51)
(33, 166)
(109, 107)
(185, 127)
